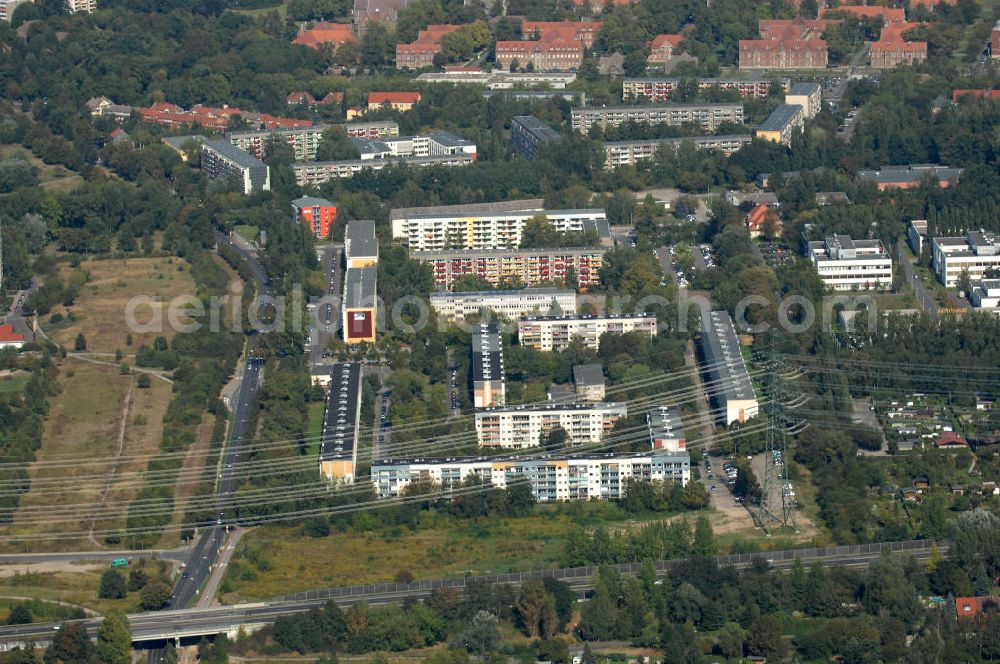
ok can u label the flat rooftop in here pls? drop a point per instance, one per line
(361, 234)
(724, 359)
(487, 353)
(780, 117)
(232, 153)
(359, 287)
(588, 375)
(665, 423)
(669, 457)
(485, 295)
(340, 418)
(520, 205)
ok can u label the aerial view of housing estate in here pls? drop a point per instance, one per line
(499, 331)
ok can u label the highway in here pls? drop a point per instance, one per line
(202, 560)
(155, 627)
(179, 554)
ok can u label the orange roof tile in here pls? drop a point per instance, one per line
(660, 40)
(8, 335)
(325, 33)
(376, 98)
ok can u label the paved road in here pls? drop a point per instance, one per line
(923, 295)
(157, 626)
(324, 320)
(206, 550)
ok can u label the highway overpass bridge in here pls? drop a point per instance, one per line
(154, 628)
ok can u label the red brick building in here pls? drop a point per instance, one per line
(553, 54)
(992, 95)
(783, 54)
(889, 54)
(582, 31)
(325, 34)
(661, 49)
(421, 52)
(887, 14)
(995, 41)
(795, 29)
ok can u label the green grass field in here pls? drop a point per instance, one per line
(247, 232)
(315, 428)
(52, 177)
(14, 383)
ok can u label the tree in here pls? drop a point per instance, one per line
(704, 539)
(20, 614)
(730, 641)
(80, 343)
(155, 595)
(695, 496)
(112, 585)
(536, 609)
(764, 637)
(70, 645)
(114, 639)
(482, 635)
(144, 382)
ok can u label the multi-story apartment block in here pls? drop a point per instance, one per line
(554, 333)
(590, 383)
(846, 264)
(707, 117)
(658, 90)
(528, 133)
(435, 144)
(74, 6)
(317, 172)
(360, 305)
(974, 254)
(318, 213)
(629, 153)
(913, 175)
(420, 53)
(377, 129)
(338, 455)
(781, 124)
(488, 388)
(995, 41)
(527, 267)
(728, 381)
(304, 141)
(783, 54)
(807, 95)
(551, 478)
(488, 226)
(453, 307)
(221, 159)
(360, 244)
(522, 427)
(666, 431)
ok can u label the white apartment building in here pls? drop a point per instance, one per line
(521, 427)
(89, 6)
(630, 153)
(727, 379)
(7, 8)
(554, 333)
(435, 144)
(453, 307)
(479, 227)
(551, 478)
(501, 80)
(707, 116)
(846, 265)
(311, 173)
(977, 252)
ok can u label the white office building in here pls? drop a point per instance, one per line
(554, 333)
(727, 379)
(985, 296)
(453, 307)
(488, 226)
(551, 478)
(976, 253)
(848, 265)
(522, 427)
